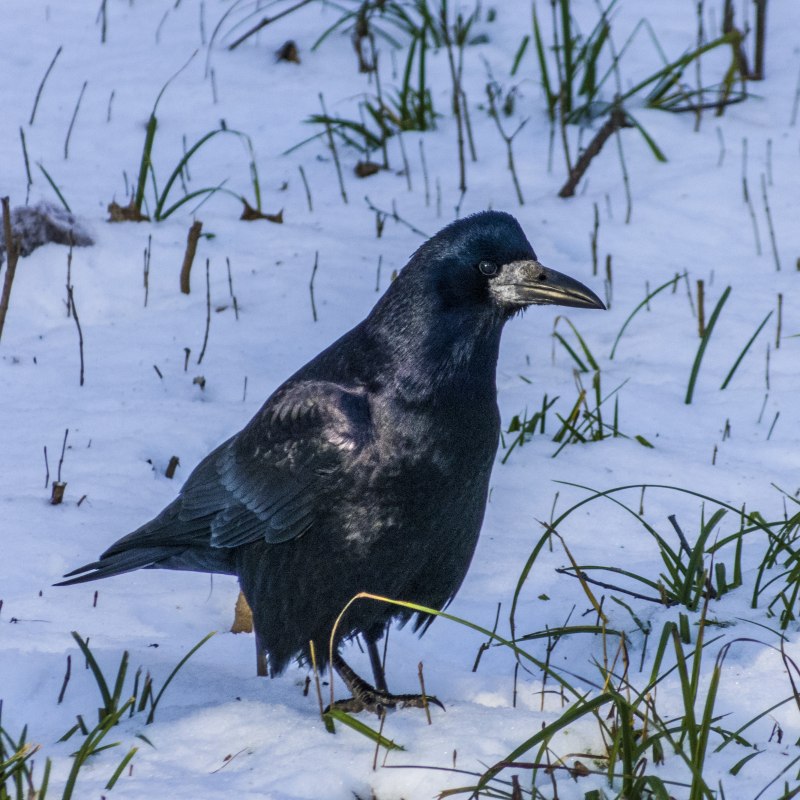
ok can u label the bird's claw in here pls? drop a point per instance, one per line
(378, 702)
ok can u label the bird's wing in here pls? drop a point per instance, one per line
(272, 479)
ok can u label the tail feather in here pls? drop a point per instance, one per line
(116, 564)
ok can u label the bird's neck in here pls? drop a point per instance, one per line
(434, 355)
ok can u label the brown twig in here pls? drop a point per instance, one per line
(761, 33)
(12, 256)
(188, 258)
(701, 308)
(617, 120)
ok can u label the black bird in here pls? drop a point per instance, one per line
(368, 469)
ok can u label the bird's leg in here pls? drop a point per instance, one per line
(368, 698)
(261, 658)
(377, 666)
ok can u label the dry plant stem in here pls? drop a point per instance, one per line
(230, 289)
(72, 121)
(173, 464)
(146, 277)
(422, 691)
(424, 173)
(69, 280)
(769, 223)
(378, 88)
(27, 163)
(455, 77)
(41, 85)
(795, 104)
(188, 258)
(761, 33)
(267, 21)
(738, 49)
(698, 68)
(701, 308)
(208, 311)
(625, 179)
(508, 139)
(334, 152)
(311, 285)
(71, 300)
(307, 188)
(616, 121)
(395, 216)
(753, 219)
(102, 15)
(780, 321)
(12, 256)
(66, 680)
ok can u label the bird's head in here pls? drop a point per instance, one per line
(485, 262)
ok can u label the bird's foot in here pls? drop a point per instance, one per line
(368, 698)
(377, 700)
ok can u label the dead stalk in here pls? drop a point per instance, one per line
(188, 258)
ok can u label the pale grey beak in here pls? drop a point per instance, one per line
(524, 283)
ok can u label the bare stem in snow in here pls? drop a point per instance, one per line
(507, 138)
(72, 121)
(74, 310)
(332, 145)
(188, 258)
(769, 223)
(41, 85)
(311, 285)
(12, 256)
(208, 311)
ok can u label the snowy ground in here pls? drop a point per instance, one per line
(127, 420)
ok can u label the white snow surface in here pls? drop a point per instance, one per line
(127, 420)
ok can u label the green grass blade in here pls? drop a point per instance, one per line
(552, 97)
(638, 308)
(53, 186)
(96, 671)
(654, 148)
(146, 163)
(526, 39)
(703, 343)
(122, 764)
(581, 366)
(174, 672)
(364, 730)
(744, 352)
(162, 198)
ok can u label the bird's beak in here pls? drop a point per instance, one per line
(524, 283)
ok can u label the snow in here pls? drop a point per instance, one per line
(126, 421)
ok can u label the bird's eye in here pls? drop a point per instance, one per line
(487, 268)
